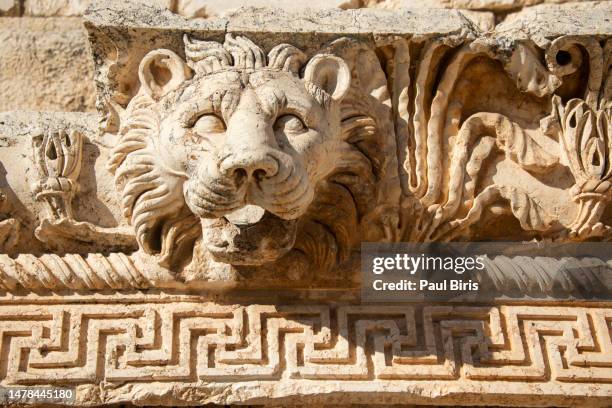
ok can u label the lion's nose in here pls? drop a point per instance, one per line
(257, 163)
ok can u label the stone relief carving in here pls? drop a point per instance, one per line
(57, 156)
(240, 159)
(260, 159)
(559, 350)
(193, 174)
(586, 138)
(234, 166)
(450, 178)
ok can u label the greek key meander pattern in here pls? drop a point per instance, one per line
(79, 344)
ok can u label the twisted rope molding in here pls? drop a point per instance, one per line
(536, 276)
(510, 276)
(72, 271)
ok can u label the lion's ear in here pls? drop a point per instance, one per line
(162, 71)
(329, 73)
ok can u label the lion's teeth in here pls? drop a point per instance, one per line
(249, 214)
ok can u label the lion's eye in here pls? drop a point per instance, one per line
(209, 124)
(290, 124)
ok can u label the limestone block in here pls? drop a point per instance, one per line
(564, 8)
(213, 8)
(496, 6)
(67, 8)
(531, 22)
(45, 65)
(484, 20)
(55, 8)
(501, 5)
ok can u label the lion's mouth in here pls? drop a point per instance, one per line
(250, 235)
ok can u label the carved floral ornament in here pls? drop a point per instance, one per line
(234, 164)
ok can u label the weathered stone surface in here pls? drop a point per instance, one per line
(45, 65)
(501, 5)
(484, 20)
(307, 32)
(198, 241)
(533, 22)
(67, 8)
(497, 6)
(599, 9)
(214, 8)
(55, 8)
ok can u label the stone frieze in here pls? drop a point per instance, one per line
(257, 152)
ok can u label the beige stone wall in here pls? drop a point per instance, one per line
(45, 65)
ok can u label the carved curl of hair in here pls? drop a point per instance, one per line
(207, 57)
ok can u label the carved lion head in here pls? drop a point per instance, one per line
(241, 157)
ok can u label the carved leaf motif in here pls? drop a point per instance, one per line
(58, 153)
(587, 143)
(585, 138)
(530, 213)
